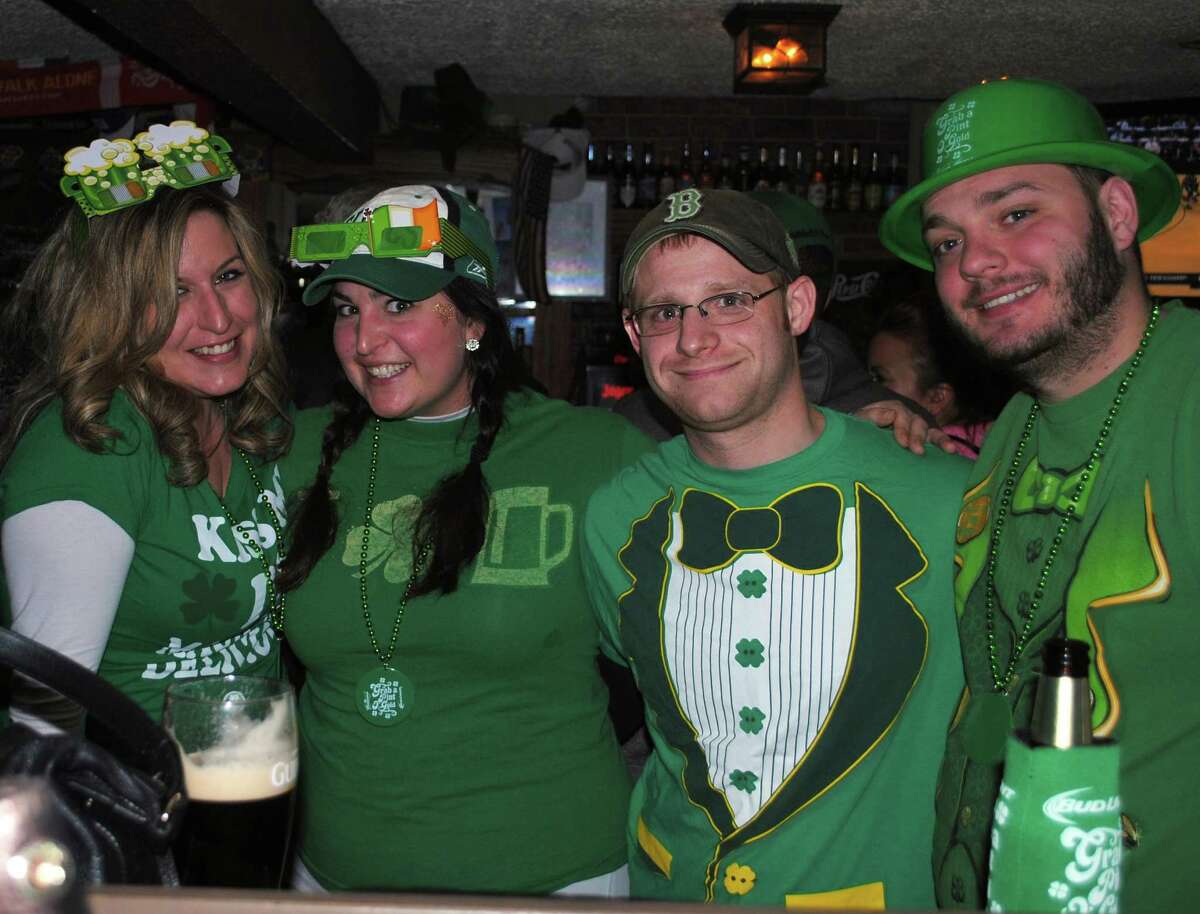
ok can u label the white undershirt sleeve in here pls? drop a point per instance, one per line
(65, 563)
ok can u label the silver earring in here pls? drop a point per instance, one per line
(472, 344)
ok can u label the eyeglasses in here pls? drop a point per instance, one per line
(726, 308)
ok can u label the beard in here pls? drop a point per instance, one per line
(1089, 286)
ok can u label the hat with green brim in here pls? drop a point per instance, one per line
(744, 227)
(805, 223)
(1022, 122)
(410, 242)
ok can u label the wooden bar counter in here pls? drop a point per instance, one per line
(140, 900)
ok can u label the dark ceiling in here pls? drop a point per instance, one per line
(315, 72)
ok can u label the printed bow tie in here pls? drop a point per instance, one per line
(799, 530)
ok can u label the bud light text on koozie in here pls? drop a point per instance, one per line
(1060, 807)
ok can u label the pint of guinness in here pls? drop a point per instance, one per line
(237, 739)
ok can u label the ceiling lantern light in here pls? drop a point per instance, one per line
(779, 47)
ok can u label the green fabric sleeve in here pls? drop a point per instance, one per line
(48, 466)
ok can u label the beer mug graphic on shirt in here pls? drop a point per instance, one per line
(238, 743)
(527, 538)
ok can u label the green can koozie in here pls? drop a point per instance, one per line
(1056, 837)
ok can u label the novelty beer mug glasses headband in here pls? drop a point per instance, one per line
(109, 175)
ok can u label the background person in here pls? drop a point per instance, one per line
(436, 573)
(141, 500)
(908, 355)
(1079, 518)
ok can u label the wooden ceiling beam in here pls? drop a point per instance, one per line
(279, 65)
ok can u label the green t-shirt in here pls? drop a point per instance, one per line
(1126, 575)
(505, 775)
(792, 631)
(194, 599)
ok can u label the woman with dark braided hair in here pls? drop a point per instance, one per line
(454, 726)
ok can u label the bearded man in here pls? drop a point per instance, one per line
(1078, 519)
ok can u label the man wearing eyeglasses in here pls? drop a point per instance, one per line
(779, 580)
(833, 374)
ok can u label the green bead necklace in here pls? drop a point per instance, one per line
(275, 602)
(1004, 682)
(385, 695)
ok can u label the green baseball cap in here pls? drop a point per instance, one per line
(804, 222)
(410, 242)
(1022, 122)
(744, 227)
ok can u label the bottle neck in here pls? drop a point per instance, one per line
(1062, 705)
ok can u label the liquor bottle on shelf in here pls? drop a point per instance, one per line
(800, 175)
(708, 171)
(873, 188)
(854, 182)
(686, 177)
(895, 180)
(521, 345)
(667, 179)
(837, 181)
(818, 186)
(743, 179)
(726, 176)
(781, 180)
(760, 175)
(647, 185)
(627, 183)
(613, 173)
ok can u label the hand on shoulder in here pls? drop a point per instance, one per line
(910, 430)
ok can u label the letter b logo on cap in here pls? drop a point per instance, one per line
(684, 204)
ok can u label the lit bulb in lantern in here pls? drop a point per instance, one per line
(792, 50)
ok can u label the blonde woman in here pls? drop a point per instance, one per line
(140, 501)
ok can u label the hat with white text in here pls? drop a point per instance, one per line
(1022, 122)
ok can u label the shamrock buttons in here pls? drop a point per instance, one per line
(739, 880)
(750, 720)
(751, 584)
(744, 780)
(749, 652)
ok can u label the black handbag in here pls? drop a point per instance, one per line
(122, 805)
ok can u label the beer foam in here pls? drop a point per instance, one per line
(256, 761)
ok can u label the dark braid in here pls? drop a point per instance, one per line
(314, 518)
(453, 518)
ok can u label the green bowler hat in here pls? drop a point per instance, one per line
(1022, 122)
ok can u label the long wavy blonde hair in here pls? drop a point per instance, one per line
(99, 302)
